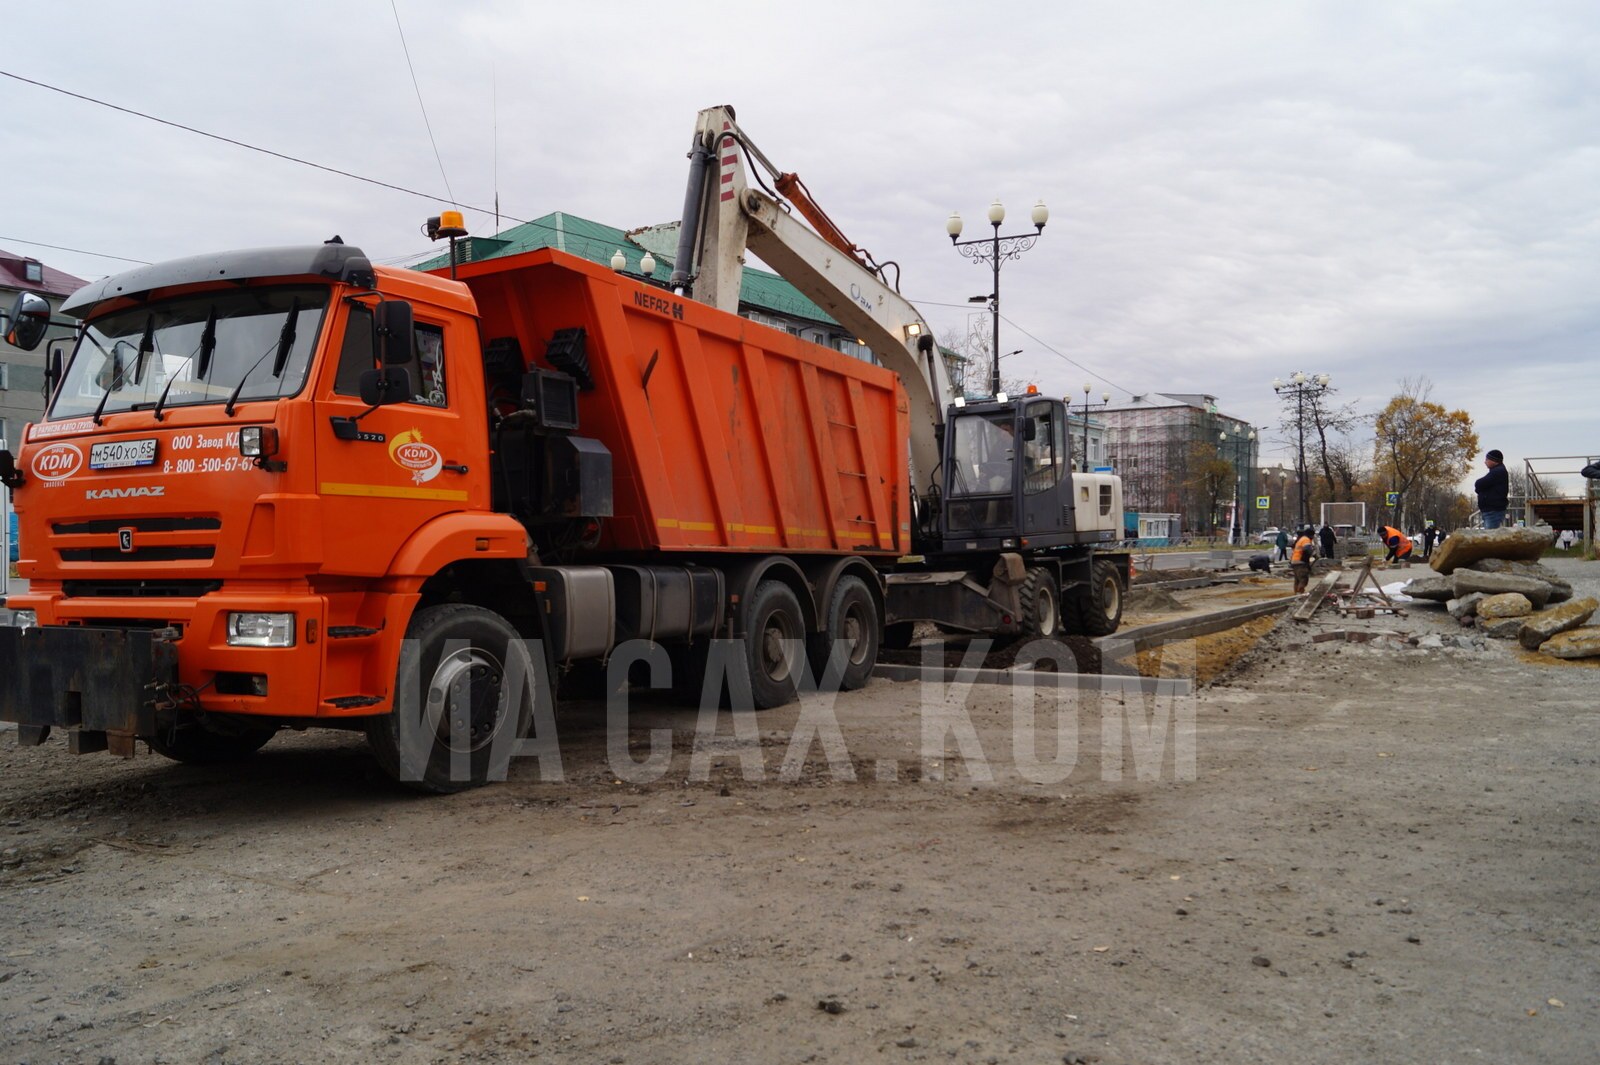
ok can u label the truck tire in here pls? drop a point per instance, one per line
(774, 642)
(1098, 608)
(1041, 604)
(852, 617)
(233, 741)
(452, 702)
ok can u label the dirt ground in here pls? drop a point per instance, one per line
(1379, 855)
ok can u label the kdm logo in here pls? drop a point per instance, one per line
(54, 464)
(410, 453)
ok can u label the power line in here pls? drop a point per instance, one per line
(420, 105)
(434, 197)
(495, 211)
(76, 251)
(1067, 358)
(1030, 336)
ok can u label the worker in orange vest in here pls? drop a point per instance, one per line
(1399, 544)
(1305, 548)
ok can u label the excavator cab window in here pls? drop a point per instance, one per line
(1043, 460)
(982, 473)
(983, 454)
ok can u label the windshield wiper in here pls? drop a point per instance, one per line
(147, 344)
(286, 338)
(208, 344)
(171, 379)
(285, 343)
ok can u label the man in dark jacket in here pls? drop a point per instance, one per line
(1282, 544)
(1494, 491)
(1329, 542)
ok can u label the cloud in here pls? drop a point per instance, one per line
(1237, 190)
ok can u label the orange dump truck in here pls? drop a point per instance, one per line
(289, 488)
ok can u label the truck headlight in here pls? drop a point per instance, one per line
(260, 630)
(24, 619)
(258, 441)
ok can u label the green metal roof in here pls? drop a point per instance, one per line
(759, 289)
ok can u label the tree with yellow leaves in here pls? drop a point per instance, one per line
(1419, 443)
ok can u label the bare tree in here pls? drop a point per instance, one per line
(1348, 463)
(1312, 415)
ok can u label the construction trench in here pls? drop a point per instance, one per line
(1364, 838)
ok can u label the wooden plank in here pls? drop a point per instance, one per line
(1316, 595)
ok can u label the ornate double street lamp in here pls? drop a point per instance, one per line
(1301, 386)
(996, 250)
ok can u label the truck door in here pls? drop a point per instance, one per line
(410, 461)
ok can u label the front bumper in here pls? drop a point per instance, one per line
(96, 681)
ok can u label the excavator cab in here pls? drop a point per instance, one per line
(1007, 475)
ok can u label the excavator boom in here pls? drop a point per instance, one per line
(724, 215)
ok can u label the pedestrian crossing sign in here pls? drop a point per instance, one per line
(1263, 502)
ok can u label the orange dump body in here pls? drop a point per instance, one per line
(725, 435)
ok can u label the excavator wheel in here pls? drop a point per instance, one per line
(1097, 609)
(1041, 604)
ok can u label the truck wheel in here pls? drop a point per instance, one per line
(464, 694)
(774, 642)
(1099, 606)
(232, 740)
(1041, 604)
(853, 619)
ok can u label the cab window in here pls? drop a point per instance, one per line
(426, 367)
(355, 357)
(1043, 459)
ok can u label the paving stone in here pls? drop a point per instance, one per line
(1576, 643)
(1469, 580)
(1560, 587)
(1466, 546)
(1540, 627)
(1466, 606)
(1506, 605)
(1500, 629)
(1438, 589)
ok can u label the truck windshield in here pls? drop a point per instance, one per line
(982, 454)
(135, 353)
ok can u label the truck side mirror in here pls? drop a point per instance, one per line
(392, 384)
(394, 324)
(1030, 429)
(30, 317)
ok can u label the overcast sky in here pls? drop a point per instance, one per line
(1237, 190)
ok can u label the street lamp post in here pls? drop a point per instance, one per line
(1302, 386)
(1105, 401)
(996, 249)
(1241, 502)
